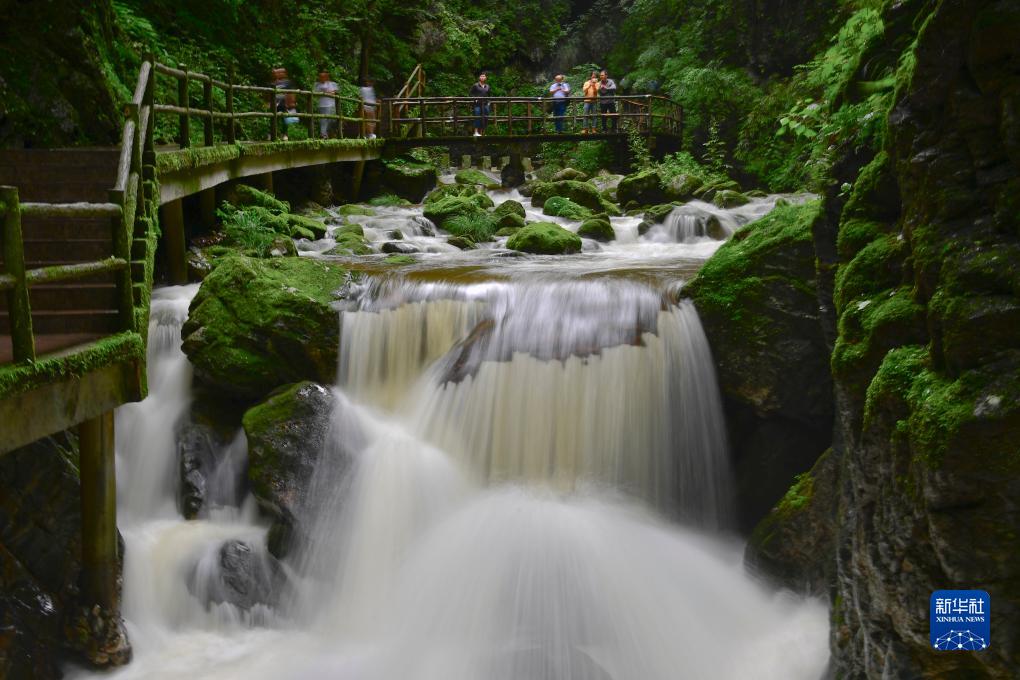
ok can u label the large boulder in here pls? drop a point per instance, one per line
(210, 467)
(641, 188)
(446, 190)
(544, 238)
(408, 178)
(758, 303)
(683, 187)
(597, 229)
(569, 174)
(510, 206)
(287, 436)
(477, 178)
(557, 206)
(581, 193)
(444, 209)
(257, 324)
(239, 574)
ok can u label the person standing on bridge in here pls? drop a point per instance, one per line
(591, 103)
(560, 90)
(283, 101)
(481, 92)
(607, 101)
(369, 102)
(327, 104)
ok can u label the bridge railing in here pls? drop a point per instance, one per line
(225, 102)
(126, 200)
(454, 116)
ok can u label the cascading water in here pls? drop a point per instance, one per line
(525, 477)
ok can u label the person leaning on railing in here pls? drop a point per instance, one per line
(607, 101)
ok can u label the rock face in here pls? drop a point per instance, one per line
(208, 478)
(544, 238)
(928, 382)
(286, 438)
(757, 302)
(256, 324)
(40, 563)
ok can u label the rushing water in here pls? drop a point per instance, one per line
(526, 478)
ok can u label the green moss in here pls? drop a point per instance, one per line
(723, 287)
(189, 159)
(510, 207)
(250, 196)
(854, 234)
(353, 209)
(544, 238)
(728, 198)
(558, 206)
(474, 177)
(350, 243)
(447, 208)
(798, 496)
(400, 259)
(446, 190)
(388, 200)
(876, 267)
(509, 221)
(315, 228)
(479, 226)
(597, 229)
(889, 389)
(350, 229)
(120, 348)
(658, 214)
(582, 193)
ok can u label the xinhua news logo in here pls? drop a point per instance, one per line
(960, 620)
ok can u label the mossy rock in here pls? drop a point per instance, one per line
(509, 221)
(247, 195)
(257, 324)
(315, 228)
(462, 242)
(446, 190)
(355, 209)
(569, 174)
(445, 209)
(641, 188)
(545, 238)
(582, 193)
(388, 201)
(286, 435)
(558, 206)
(658, 214)
(479, 226)
(400, 259)
(350, 229)
(599, 230)
(350, 243)
(409, 179)
(510, 207)
(507, 231)
(473, 177)
(727, 198)
(682, 188)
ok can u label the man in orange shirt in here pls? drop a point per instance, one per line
(591, 99)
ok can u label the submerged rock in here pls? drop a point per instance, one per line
(257, 324)
(399, 248)
(239, 574)
(545, 238)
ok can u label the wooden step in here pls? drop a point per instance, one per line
(82, 250)
(63, 228)
(47, 343)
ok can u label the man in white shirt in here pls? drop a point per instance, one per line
(560, 90)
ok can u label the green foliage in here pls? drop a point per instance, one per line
(249, 230)
(715, 151)
(640, 156)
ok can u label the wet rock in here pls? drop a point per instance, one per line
(257, 324)
(462, 242)
(682, 188)
(582, 193)
(597, 229)
(569, 174)
(510, 207)
(658, 214)
(399, 248)
(512, 176)
(759, 307)
(422, 225)
(204, 437)
(239, 574)
(395, 234)
(557, 206)
(511, 221)
(730, 199)
(455, 190)
(475, 178)
(641, 188)
(286, 437)
(409, 179)
(545, 238)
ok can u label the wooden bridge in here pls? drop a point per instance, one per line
(80, 229)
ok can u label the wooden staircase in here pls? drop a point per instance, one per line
(65, 313)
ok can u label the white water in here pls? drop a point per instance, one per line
(525, 478)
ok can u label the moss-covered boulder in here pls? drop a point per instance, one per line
(463, 216)
(657, 214)
(727, 198)
(479, 226)
(315, 229)
(683, 187)
(581, 193)
(446, 190)
(597, 229)
(641, 188)
(758, 302)
(569, 174)
(472, 177)
(409, 179)
(507, 231)
(256, 324)
(286, 437)
(557, 206)
(350, 242)
(509, 221)
(355, 209)
(462, 242)
(510, 207)
(545, 238)
(247, 195)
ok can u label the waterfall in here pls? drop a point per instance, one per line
(525, 476)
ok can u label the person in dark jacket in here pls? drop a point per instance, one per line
(481, 92)
(607, 101)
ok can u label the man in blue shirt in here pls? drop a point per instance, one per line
(560, 90)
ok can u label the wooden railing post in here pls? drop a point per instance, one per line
(231, 133)
(18, 307)
(311, 110)
(274, 121)
(122, 249)
(149, 145)
(421, 111)
(98, 511)
(182, 101)
(207, 103)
